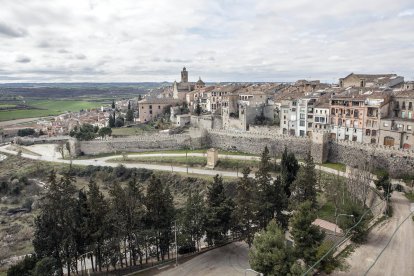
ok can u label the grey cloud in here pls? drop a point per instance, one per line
(9, 31)
(80, 56)
(23, 59)
(63, 51)
(44, 44)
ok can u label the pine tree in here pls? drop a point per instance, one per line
(269, 254)
(304, 187)
(97, 224)
(218, 213)
(193, 218)
(54, 227)
(280, 203)
(245, 206)
(129, 105)
(288, 169)
(265, 189)
(129, 116)
(307, 237)
(113, 104)
(160, 214)
(111, 122)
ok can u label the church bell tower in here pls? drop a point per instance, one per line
(184, 75)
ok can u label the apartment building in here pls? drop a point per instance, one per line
(397, 129)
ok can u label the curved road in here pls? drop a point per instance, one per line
(47, 153)
(397, 258)
(229, 260)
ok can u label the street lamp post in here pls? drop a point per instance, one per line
(176, 247)
(336, 219)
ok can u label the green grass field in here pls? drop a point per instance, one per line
(192, 161)
(7, 105)
(335, 166)
(47, 108)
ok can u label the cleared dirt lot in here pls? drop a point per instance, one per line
(397, 258)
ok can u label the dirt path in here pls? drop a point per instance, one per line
(397, 258)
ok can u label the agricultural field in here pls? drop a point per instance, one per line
(45, 108)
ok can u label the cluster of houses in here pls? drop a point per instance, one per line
(372, 109)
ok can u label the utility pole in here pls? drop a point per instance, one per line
(176, 247)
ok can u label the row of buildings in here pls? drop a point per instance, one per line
(372, 109)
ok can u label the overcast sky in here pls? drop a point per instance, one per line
(137, 40)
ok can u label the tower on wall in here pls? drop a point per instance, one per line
(184, 75)
(319, 148)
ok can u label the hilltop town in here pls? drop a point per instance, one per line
(364, 108)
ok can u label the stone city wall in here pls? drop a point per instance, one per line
(398, 162)
(254, 142)
(142, 143)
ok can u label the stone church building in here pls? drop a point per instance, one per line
(180, 89)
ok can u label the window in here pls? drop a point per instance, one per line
(410, 115)
(356, 114)
(409, 128)
(309, 125)
(410, 105)
(150, 111)
(317, 119)
(159, 107)
(373, 132)
(302, 116)
(385, 124)
(302, 123)
(368, 132)
(150, 107)
(403, 114)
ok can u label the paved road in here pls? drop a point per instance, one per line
(229, 260)
(21, 121)
(47, 153)
(397, 258)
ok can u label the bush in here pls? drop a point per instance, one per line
(25, 132)
(186, 249)
(24, 267)
(45, 267)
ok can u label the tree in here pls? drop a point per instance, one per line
(111, 122)
(119, 122)
(193, 219)
(104, 132)
(113, 104)
(265, 189)
(129, 116)
(54, 227)
(45, 267)
(25, 132)
(97, 223)
(129, 105)
(384, 183)
(280, 203)
(307, 237)
(24, 267)
(246, 206)
(219, 212)
(198, 109)
(160, 214)
(60, 147)
(85, 132)
(304, 186)
(269, 254)
(360, 231)
(288, 169)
